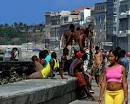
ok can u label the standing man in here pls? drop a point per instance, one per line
(97, 64)
(69, 38)
(124, 61)
(79, 39)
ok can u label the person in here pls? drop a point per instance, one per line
(79, 38)
(114, 82)
(76, 69)
(15, 54)
(124, 61)
(97, 64)
(38, 65)
(44, 55)
(65, 60)
(55, 65)
(47, 70)
(69, 38)
(82, 39)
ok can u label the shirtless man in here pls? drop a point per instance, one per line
(97, 64)
(82, 39)
(69, 38)
(79, 39)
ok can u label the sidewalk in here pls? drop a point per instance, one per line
(86, 101)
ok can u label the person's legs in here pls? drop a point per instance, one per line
(119, 98)
(38, 66)
(88, 92)
(35, 75)
(70, 51)
(97, 79)
(109, 98)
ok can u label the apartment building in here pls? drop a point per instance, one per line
(99, 15)
(56, 24)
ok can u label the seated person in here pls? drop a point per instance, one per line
(38, 65)
(45, 72)
(76, 69)
(65, 61)
(55, 64)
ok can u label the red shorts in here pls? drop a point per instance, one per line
(81, 80)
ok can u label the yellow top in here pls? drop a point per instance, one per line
(56, 66)
(46, 71)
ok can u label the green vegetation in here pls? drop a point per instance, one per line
(17, 33)
(9, 35)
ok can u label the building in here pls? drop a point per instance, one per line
(85, 14)
(99, 15)
(118, 23)
(123, 24)
(56, 24)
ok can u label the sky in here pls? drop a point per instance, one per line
(32, 11)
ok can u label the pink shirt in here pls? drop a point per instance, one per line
(114, 74)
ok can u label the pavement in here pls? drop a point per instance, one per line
(96, 89)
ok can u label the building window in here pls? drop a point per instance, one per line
(65, 19)
(114, 0)
(123, 8)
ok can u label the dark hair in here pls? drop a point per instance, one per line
(122, 53)
(96, 48)
(43, 54)
(116, 53)
(34, 57)
(78, 28)
(118, 48)
(72, 26)
(85, 57)
(65, 51)
(53, 55)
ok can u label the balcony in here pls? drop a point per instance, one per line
(124, 14)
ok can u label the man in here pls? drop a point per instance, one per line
(79, 39)
(124, 61)
(97, 64)
(68, 38)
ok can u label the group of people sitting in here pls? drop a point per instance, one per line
(47, 64)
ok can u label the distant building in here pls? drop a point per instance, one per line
(99, 15)
(118, 23)
(56, 24)
(123, 24)
(85, 14)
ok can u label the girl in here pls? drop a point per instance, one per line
(114, 82)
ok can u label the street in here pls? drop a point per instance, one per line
(96, 89)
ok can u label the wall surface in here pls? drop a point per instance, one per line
(39, 91)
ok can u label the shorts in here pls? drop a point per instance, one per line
(97, 71)
(81, 80)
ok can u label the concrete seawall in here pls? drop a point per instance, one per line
(39, 91)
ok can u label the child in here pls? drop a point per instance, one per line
(55, 64)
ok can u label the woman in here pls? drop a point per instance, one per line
(114, 82)
(44, 72)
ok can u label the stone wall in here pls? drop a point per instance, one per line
(39, 91)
